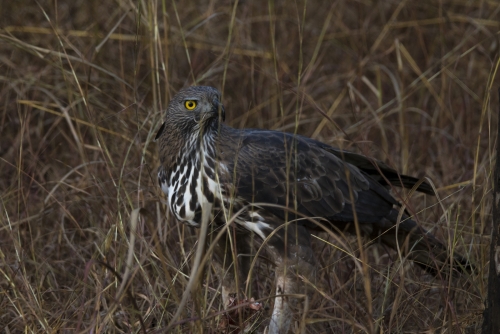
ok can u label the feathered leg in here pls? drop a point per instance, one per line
(282, 313)
(293, 256)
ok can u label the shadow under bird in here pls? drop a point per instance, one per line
(279, 186)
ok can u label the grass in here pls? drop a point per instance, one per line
(86, 242)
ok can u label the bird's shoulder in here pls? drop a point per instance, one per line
(269, 141)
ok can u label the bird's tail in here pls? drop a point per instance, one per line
(420, 245)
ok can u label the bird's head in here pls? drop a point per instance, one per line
(195, 107)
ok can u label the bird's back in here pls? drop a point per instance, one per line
(299, 173)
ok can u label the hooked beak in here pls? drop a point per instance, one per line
(218, 109)
(160, 131)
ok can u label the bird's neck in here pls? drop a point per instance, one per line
(180, 142)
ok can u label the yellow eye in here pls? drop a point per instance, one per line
(190, 104)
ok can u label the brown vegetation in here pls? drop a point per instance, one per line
(86, 243)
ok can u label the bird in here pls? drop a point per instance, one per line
(277, 188)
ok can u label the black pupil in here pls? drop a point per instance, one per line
(190, 104)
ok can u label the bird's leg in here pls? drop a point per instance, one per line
(282, 313)
(293, 257)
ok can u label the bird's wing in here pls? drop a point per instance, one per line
(287, 170)
(377, 169)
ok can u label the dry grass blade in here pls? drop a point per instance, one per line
(84, 86)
